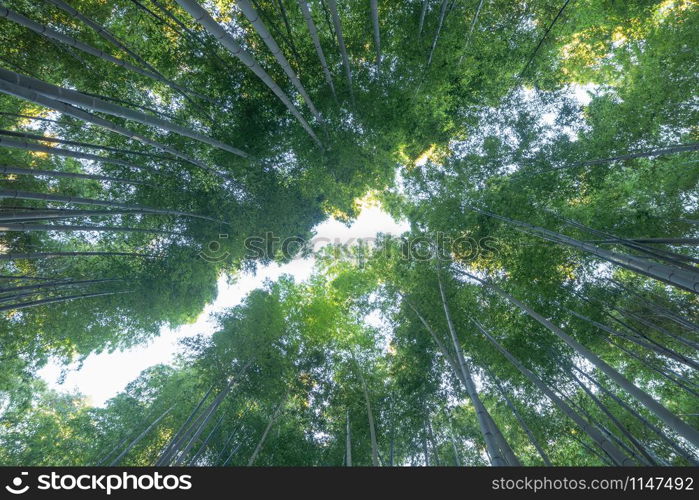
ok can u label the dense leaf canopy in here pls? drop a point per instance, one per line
(541, 310)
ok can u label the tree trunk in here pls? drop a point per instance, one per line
(133, 443)
(41, 302)
(377, 34)
(442, 11)
(201, 448)
(642, 419)
(32, 96)
(76, 98)
(105, 34)
(203, 420)
(541, 41)
(464, 376)
(474, 21)
(89, 145)
(646, 457)
(258, 448)
(370, 417)
(602, 441)
(166, 454)
(680, 278)
(67, 214)
(72, 42)
(52, 284)
(26, 195)
(680, 148)
(332, 5)
(671, 420)
(457, 459)
(42, 255)
(348, 442)
(433, 443)
(421, 24)
(522, 423)
(653, 346)
(254, 18)
(25, 228)
(316, 43)
(5, 169)
(202, 17)
(500, 441)
(29, 146)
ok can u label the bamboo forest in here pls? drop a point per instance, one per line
(538, 306)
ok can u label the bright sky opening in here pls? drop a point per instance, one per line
(103, 376)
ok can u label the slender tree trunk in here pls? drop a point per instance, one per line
(425, 450)
(254, 18)
(55, 284)
(657, 348)
(32, 96)
(457, 459)
(470, 29)
(26, 228)
(433, 443)
(118, 446)
(665, 241)
(671, 420)
(41, 302)
(67, 214)
(332, 5)
(258, 448)
(660, 310)
(76, 98)
(596, 436)
(682, 452)
(680, 148)
(290, 35)
(500, 441)
(198, 426)
(377, 35)
(602, 428)
(303, 5)
(624, 431)
(5, 169)
(202, 17)
(660, 329)
(202, 447)
(230, 455)
(203, 421)
(348, 441)
(165, 456)
(106, 35)
(89, 145)
(421, 24)
(370, 417)
(43, 255)
(603, 457)
(648, 363)
(88, 49)
(677, 277)
(442, 12)
(464, 376)
(138, 439)
(26, 195)
(541, 41)
(522, 423)
(28, 146)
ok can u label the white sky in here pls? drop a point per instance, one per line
(104, 375)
